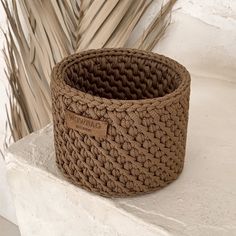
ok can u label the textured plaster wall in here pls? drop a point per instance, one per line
(6, 204)
(203, 37)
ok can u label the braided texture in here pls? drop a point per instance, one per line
(144, 99)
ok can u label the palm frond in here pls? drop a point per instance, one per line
(41, 33)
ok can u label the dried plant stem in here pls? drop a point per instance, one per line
(41, 33)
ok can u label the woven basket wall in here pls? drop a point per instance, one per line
(120, 120)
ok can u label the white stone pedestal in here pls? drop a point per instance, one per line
(201, 202)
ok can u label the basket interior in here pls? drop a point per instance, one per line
(122, 77)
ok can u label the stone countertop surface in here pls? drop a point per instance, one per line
(203, 199)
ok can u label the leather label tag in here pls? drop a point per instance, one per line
(86, 125)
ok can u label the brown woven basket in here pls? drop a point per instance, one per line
(120, 120)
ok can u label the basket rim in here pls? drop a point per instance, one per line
(57, 78)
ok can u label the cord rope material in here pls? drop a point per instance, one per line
(143, 100)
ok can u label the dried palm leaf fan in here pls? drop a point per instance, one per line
(41, 33)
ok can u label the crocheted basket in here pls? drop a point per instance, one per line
(120, 120)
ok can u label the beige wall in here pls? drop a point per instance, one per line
(6, 204)
(203, 37)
